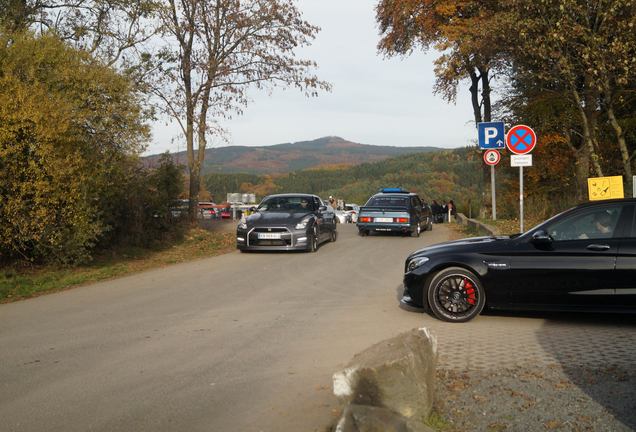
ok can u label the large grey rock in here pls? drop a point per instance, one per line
(363, 418)
(398, 374)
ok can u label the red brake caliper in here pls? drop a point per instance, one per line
(470, 292)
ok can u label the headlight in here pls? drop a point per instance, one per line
(303, 223)
(242, 225)
(416, 262)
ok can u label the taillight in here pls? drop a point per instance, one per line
(401, 220)
(365, 219)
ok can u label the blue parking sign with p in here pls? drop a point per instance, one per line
(491, 135)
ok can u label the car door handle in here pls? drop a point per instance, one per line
(598, 247)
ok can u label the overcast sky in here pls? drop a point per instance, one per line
(374, 100)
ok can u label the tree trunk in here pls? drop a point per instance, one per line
(620, 138)
(588, 130)
(185, 36)
(485, 94)
(201, 137)
(193, 165)
(474, 93)
(582, 168)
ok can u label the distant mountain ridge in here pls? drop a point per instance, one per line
(283, 158)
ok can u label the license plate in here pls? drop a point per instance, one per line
(383, 220)
(269, 236)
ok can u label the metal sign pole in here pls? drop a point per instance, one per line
(492, 191)
(521, 198)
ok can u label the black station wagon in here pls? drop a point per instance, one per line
(395, 210)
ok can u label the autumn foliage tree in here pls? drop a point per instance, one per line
(66, 126)
(112, 31)
(461, 30)
(584, 51)
(218, 49)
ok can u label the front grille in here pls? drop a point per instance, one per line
(285, 240)
(272, 230)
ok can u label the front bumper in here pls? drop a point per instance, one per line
(407, 300)
(288, 239)
(414, 285)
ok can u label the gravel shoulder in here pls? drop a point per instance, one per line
(538, 398)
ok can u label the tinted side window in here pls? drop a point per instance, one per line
(594, 223)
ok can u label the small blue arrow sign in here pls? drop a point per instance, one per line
(491, 135)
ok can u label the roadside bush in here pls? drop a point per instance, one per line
(138, 210)
(67, 125)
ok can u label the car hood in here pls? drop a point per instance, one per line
(472, 244)
(276, 218)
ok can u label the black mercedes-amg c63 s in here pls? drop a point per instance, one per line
(583, 259)
(287, 222)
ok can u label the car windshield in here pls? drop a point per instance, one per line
(393, 201)
(287, 204)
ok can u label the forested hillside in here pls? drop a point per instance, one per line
(283, 158)
(442, 175)
(550, 185)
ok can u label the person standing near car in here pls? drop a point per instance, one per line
(452, 211)
(436, 209)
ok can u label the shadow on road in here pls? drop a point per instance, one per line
(598, 355)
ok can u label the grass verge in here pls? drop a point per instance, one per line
(502, 227)
(510, 226)
(18, 283)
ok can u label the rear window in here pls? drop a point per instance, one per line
(388, 201)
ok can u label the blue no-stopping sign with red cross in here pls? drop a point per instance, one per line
(521, 139)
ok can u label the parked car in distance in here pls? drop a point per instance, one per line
(207, 210)
(352, 210)
(342, 216)
(394, 210)
(583, 259)
(287, 222)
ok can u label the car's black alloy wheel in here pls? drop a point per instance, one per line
(456, 295)
(313, 241)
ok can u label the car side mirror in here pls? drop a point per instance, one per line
(541, 238)
(322, 208)
(253, 209)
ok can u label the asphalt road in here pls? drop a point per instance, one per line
(240, 342)
(249, 342)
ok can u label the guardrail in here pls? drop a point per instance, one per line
(476, 225)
